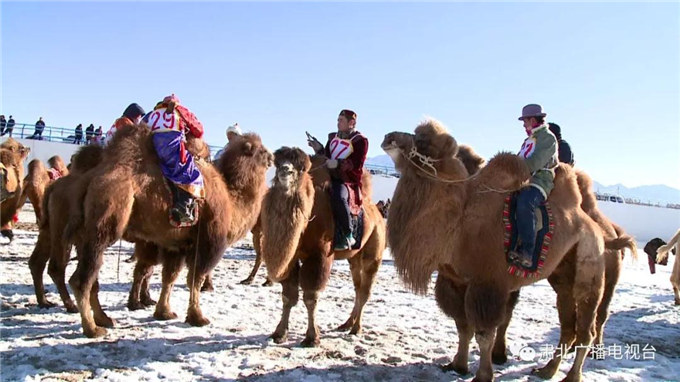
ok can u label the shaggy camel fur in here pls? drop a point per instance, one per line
(127, 197)
(51, 245)
(454, 224)
(12, 156)
(662, 253)
(37, 180)
(297, 245)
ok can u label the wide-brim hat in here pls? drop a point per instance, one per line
(532, 110)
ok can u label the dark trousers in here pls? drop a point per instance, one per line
(528, 199)
(340, 206)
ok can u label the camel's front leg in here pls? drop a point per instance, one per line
(314, 275)
(37, 263)
(499, 355)
(312, 336)
(195, 316)
(485, 340)
(82, 281)
(289, 295)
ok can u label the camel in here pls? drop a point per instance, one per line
(38, 179)
(662, 255)
(12, 156)
(257, 245)
(51, 246)
(126, 196)
(297, 243)
(441, 219)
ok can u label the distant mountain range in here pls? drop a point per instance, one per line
(648, 194)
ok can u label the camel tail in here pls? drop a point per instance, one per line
(485, 305)
(621, 242)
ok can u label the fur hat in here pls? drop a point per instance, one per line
(234, 129)
(349, 114)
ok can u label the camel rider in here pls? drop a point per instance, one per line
(169, 123)
(131, 116)
(539, 151)
(346, 152)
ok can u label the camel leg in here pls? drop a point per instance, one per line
(485, 340)
(499, 355)
(566, 309)
(82, 281)
(451, 300)
(195, 281)
(289, 295)
(314, 275)
(140, 285)
(37, 263)
(367, 270)
(258, 262)
(208, 284)
(612, 273)
(676, 291)
(355, 269)
(57, 271)
(100, 318)
(172, 265)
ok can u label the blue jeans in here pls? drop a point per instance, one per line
(528, 199)
(340, 206)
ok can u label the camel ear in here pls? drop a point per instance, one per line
(248, 148)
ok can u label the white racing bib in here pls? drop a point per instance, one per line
(528, 147)
(161, 120)
(340, 148)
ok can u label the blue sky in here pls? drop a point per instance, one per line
(607, 73)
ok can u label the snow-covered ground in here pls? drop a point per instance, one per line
(405, 336)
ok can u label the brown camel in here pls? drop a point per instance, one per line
(127, 197)
(12, 156)
(257, 245)
(38, 178)
(56, 205)
(441, 219)
(298, 230)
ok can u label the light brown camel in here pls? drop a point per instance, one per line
(12, 156)
(297, 244)
(127, 197)
(663, 253)
(442, 220)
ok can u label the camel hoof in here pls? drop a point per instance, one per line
(343, 328)
(46, 304)
(543, 372)
(310, 342)
(247, 281)
(207, 288)
(475, 379)
(460, 370)
(105, 322)
(164, 316)
(148, 302)
(355, 331)
(71, 307)
(268, 283)
(94, 333)
(499, 359)
(677, 302)
(197, 320)
(279, 338)
(136, 305)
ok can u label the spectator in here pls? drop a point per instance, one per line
(39, 128)
(79, 134)
(98, 136)
(3, 124)
(563, 149)
(89, 134)
(232, 132)
(9, 128)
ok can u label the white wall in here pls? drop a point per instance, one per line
(642, 222)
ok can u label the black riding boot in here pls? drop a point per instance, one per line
(183, 209)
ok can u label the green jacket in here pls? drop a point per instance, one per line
(539, 151)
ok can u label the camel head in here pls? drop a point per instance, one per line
(290, 163)
(396, 143)
(244, 152)
(20, 151)
(434, 141)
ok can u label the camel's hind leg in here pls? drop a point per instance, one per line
(451, 300)
(499, 355)
(100, 317)
(611, 278)
(37, 263)
(172, 265)
(59, 259)
(314, 275)
(82, 282)
(364, 267)
(289, 295)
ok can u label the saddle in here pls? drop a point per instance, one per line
(544, 232)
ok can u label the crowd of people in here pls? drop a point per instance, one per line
(92, 135)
